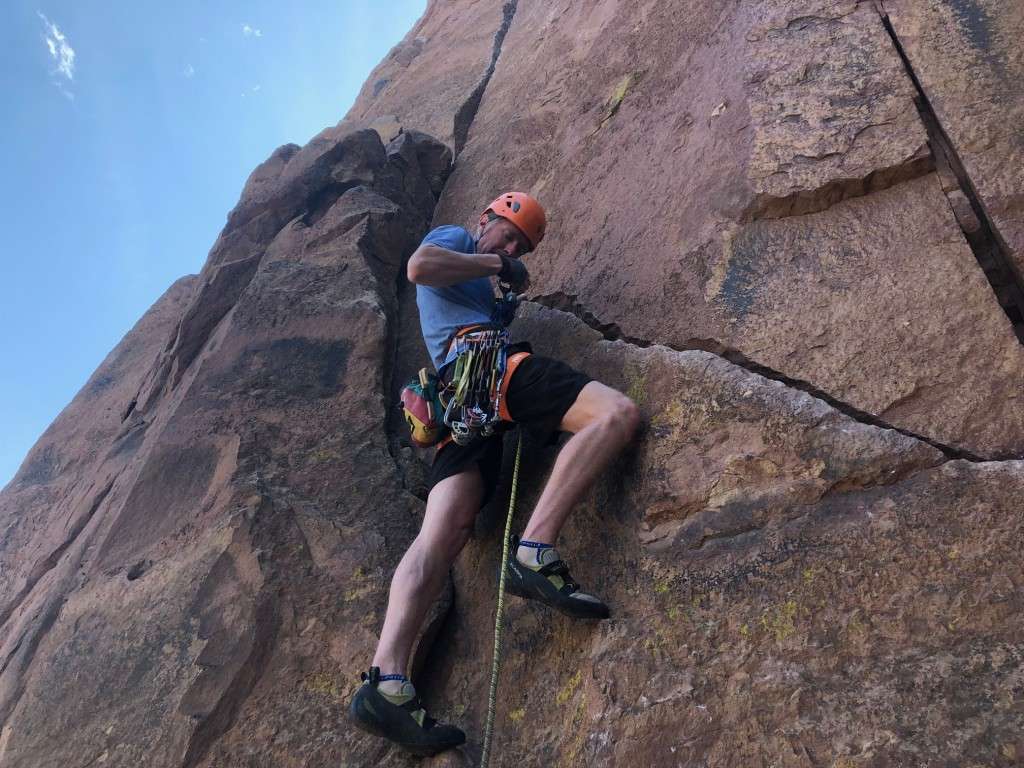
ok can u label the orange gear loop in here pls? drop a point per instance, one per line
(510, 368)
(522, 210)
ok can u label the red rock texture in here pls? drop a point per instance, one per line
(661, 149)
(789, 587)
(168, 558)
(969, 64)
(771, 224)
(435, 77)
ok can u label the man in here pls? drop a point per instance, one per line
(453, 275)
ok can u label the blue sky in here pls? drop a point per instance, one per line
(128, 130)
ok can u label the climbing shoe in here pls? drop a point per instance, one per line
(401, 718)
(549, 582)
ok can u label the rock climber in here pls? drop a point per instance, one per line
(453, 273)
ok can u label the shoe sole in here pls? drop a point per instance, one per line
(419, 750)
(576, 609)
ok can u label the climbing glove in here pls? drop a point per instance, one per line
(514, 273)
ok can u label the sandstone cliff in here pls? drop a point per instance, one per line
(793, 232)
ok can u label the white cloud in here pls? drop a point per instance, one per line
(189, 70)
(60, 49)
(251, 31)
(256, 87)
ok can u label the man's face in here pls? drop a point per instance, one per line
(502, 236)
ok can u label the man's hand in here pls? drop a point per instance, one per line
(514, 273)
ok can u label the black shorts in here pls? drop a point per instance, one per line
(539, 393)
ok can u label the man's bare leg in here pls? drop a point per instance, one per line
(602, 421)
(447, 524)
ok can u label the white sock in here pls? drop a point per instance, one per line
(396, 688)
(535, 554)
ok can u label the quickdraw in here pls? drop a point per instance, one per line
(472, 396)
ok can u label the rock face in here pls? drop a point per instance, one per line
(435, 77)
(786, 230)
(789, 587)
(968, 60)
(697, 198)
(197, 518)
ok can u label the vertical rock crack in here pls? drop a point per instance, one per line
(981, 234)
(467, 111)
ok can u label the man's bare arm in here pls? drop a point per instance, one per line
(436, 266)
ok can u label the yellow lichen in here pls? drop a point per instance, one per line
(615, 100)
(637, 390)
(516, 715)
(779, 622)
(355, 593)
(321, 455)
(621, 89)
(361, 585)
(569, 688)
(671, 416)
(575, 756)
(324, 684)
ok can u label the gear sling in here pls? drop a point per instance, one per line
(471, 402)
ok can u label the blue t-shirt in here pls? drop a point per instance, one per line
(443, 310)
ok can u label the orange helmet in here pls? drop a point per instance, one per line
(523, 211)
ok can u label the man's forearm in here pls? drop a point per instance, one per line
(436, 266)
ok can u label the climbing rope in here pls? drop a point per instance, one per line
(496, 659)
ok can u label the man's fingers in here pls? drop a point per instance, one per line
(514, 272)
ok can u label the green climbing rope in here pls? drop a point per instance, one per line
(496, 659)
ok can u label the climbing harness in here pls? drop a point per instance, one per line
(496, 658)
(470, 403)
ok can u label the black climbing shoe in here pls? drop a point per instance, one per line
(551, 584)
(407, 724)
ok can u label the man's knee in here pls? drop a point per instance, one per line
(623, 416)
(451, 512)
(600, 405)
